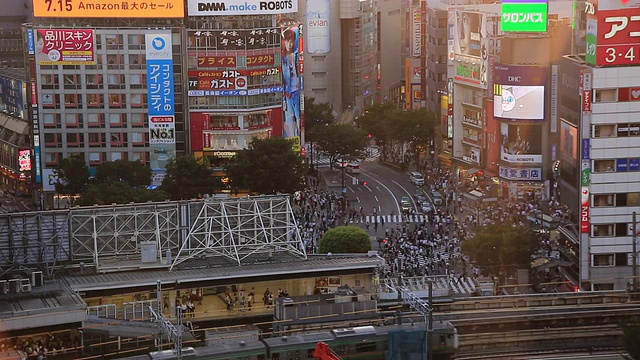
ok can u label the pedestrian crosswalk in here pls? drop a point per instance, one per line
(443, 285)
(388, 219)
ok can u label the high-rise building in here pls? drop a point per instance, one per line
(14, 14)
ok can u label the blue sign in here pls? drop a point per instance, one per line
(237, 92)
(585, 149)
(30, 43)
(11, 99)
(622, 165)
(36, 160)
(634, 164)
(160, 87)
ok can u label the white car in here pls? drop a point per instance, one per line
(416, 178)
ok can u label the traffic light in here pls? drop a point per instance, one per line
(365, 183)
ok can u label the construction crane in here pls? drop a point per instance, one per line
(324, 352)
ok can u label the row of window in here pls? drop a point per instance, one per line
(241, 102)
(616, 259)
(95, 120)
(616, 200)
(612, 230)
(616, 130)
(121, 139)
(97, 158)
(616, 165)
(76, 101)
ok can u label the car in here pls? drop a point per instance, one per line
(420, 199)
(405, 204)
(416, 178)
(340, 163)
(426, 207)
(418, 192)
(437, 198)
(353, 168)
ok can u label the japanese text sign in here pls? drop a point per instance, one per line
(108, 8)
(65, 47)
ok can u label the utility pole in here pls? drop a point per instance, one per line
(425, 309)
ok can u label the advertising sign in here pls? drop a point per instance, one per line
(11, 96)
(468, 33)
(318, 20)
(225, 79)
(238, 39)
(241, 7)
(568, 142)
(584, 211)
(108, 9)
(65, 47)
(521, 174)
(519, 16)
(161, 100)
(519, 75)
(518, 102)
(50, 179)
(585, 149)
(612, 37)
(31, 47)
(292, 73)
(553, 104)
(24, 160)
(416, 39)
(521, 143)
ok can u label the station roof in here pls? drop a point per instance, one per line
(218, 268)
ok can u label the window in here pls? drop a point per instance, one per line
(50, 100)
(95, 158)
(115, 100)
(48, 79)
(603, 230)
(137, 100)
(138, 120)
(72, 120)
(622, 259)
(71, 100)
(135, 79)
(52, 140)
(606, 95)
(603, 200)
(604, 130)
(75, 139)
(95, 120)
(96, 139)
(139, 156)
(603, 260)
(625, 130)
(51, 159)
(118, 139)
(95, 100)
(633, 199)
(115, 119)
(51, 120)
(116, 156)
(137, 139)
(604, 166)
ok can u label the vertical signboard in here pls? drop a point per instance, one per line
(292, 73)
(318, 14)
(553, 126)
(407, 83)
(162, 141)
(31, 47)
(416, 44)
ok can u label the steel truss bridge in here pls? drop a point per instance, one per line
(110, 238)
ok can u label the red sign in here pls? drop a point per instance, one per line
(24, 160)
(65, 47)
(217, 61)
(34, 95)
(227, 74)
(586, 100)
(161, 119)
(584, 212)
(618, 37)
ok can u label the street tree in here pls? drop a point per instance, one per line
(500, 247)
(118, 192)
(132, 173)
(73, 175)
(340, 140)
(187, 177)
(417, 128)
(379, 121)
(345, 240)
(268, 166)
(316, 115)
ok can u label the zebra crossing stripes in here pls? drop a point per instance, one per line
(388, 219)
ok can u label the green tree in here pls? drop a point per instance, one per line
(345, 240)
(340, 140)
(316, 115)
(417, 128)
(117, 192)
(379, 121)
(497, 247)
(631, 339)
(132, 173)
(188, 177)
(73, 175)
(268, 166)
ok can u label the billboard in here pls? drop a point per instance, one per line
(468, 33)
(612, 36)
(108, 9)
(241, 7)
(518, 102)
(12, 96)
(519, 75)
(65, 47)
(159, 58)
(292, 72)
(244, 39)
(318, 20)
(524, 16)
(416, 28)
(521, 143)
(568, 142)
(24, 160)
(226, 79)
(521, 174)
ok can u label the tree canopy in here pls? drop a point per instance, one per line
(340, 140)
(630, 337)
(497, 246)
(267, 166)
(345, 240)
(73, 175)
(316, 115)
(187, 177)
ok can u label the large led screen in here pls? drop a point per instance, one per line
(518, 102)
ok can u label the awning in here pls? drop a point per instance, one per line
(473, 170)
